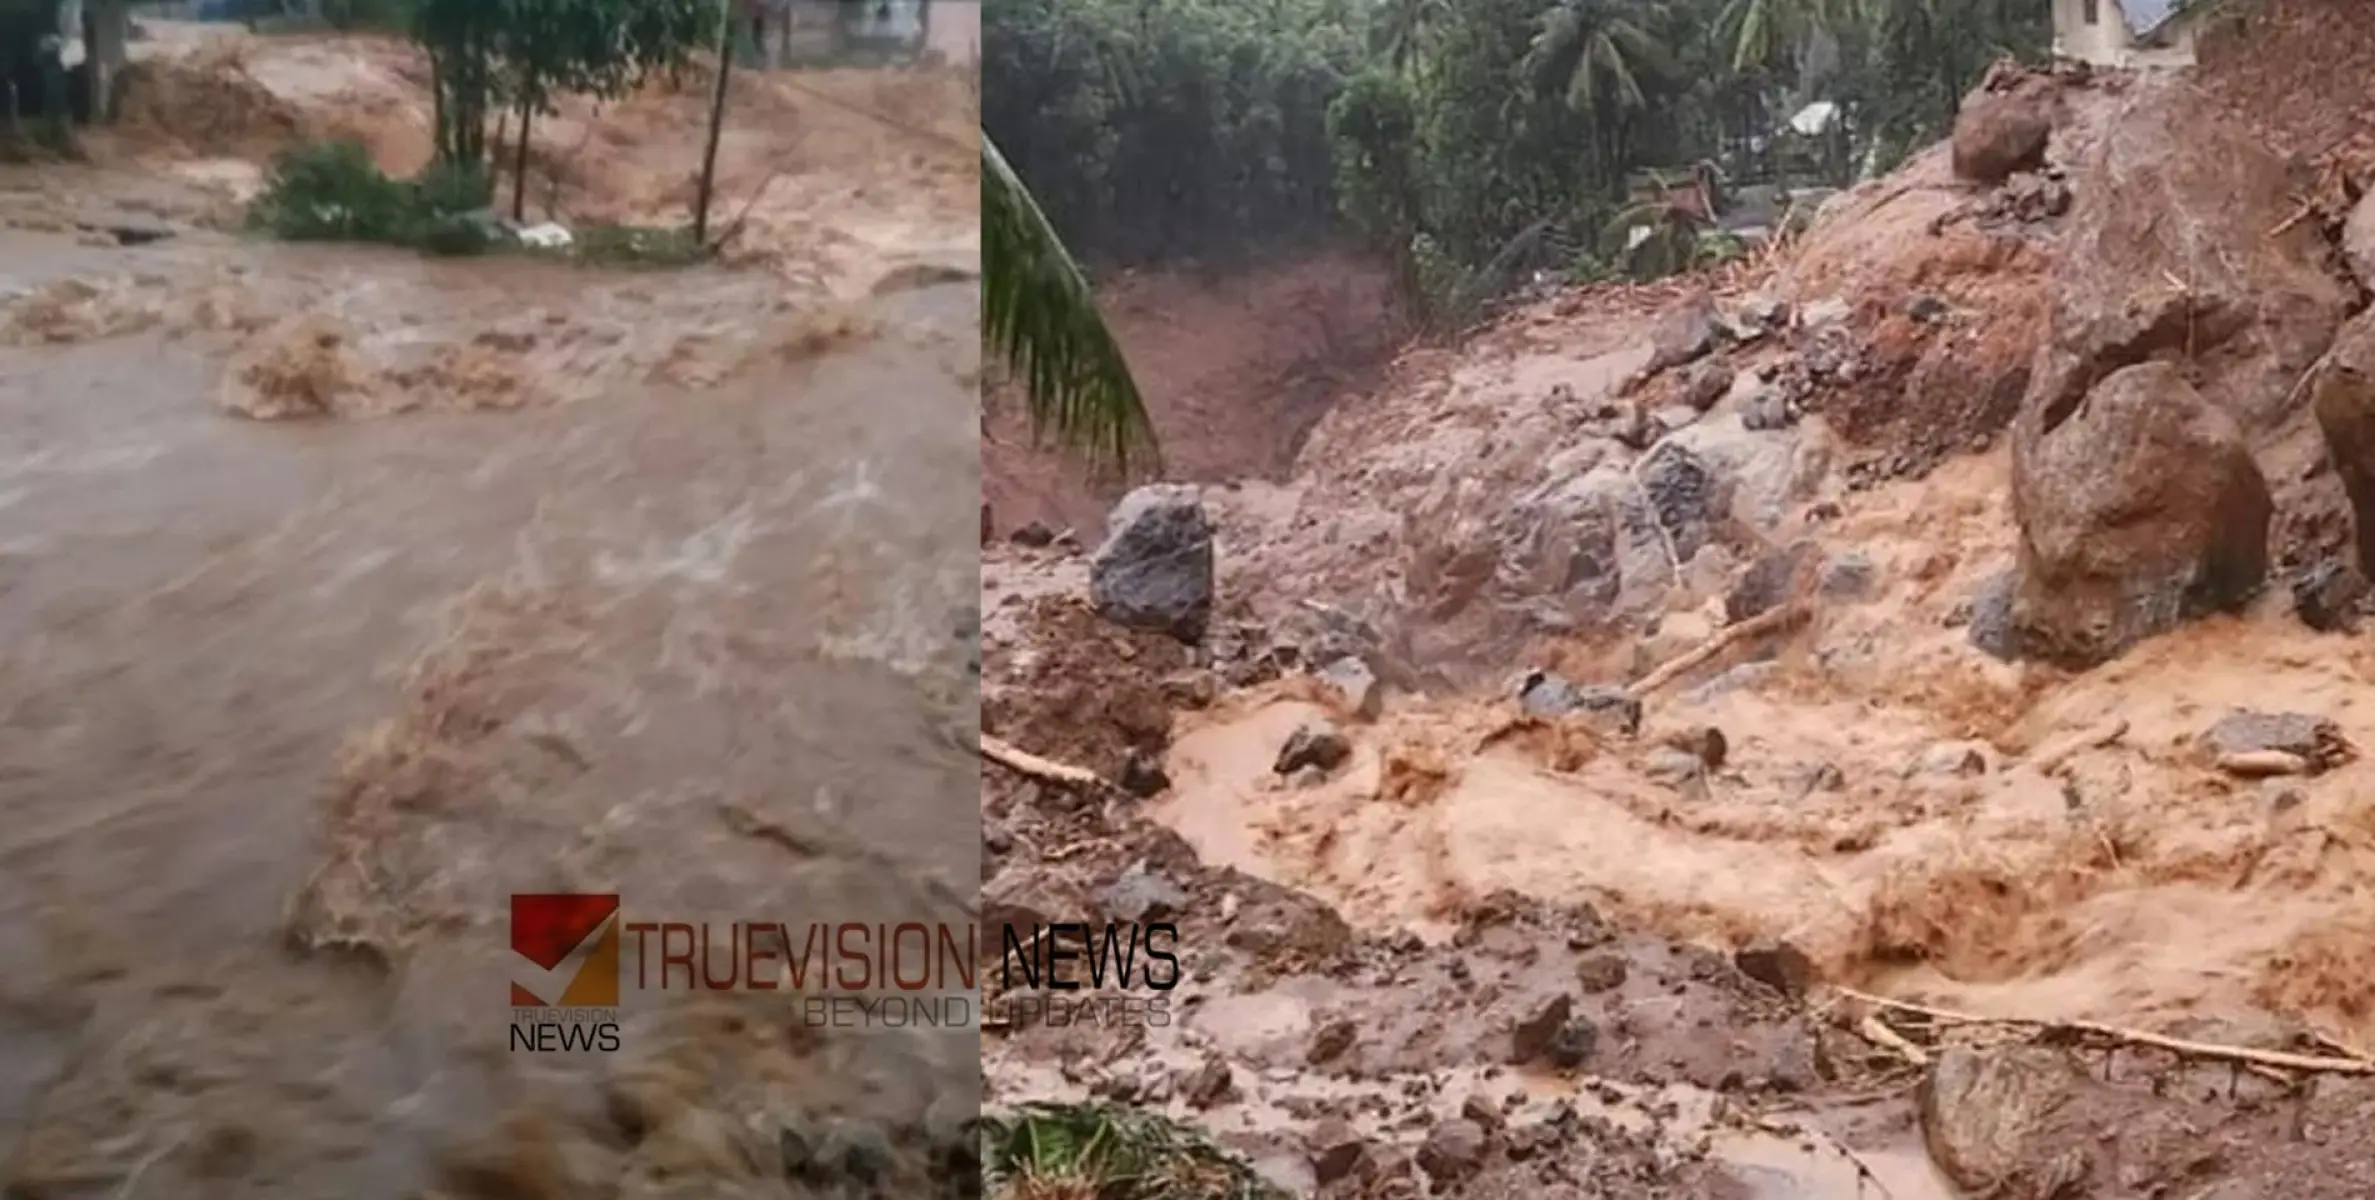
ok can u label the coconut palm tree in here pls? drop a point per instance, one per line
(1599, 54)
(1038, 314)
(1763, 31)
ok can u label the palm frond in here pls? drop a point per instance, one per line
(1038, 314)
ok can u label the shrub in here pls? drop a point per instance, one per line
(332, 191)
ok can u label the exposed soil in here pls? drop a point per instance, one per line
(1236, 373)
(1378, 949)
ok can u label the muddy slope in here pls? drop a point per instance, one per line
(1867, 802)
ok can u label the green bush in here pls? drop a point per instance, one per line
(332, 192)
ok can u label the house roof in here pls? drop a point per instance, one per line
(2145, 17)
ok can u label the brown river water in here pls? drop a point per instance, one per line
(288, 709)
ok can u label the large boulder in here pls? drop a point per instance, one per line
(2167, 255)
(1154, 570)
(2344, 401)
(2003, 128)
(2139, 507)
(1983, 1113)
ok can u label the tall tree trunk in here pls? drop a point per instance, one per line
(519, 165)
(717, 122)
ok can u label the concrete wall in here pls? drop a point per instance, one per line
(2105, 41)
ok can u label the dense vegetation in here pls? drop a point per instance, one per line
(1473, 140)
(486, 57)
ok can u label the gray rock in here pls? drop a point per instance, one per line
(1140, 895)
(1208, 1084)
(1981, 1110)
(1850, 576)
(1602, 972)
(1355, 687)
(2316, 740)
(1143, 775)
(1949, 759)
(1820, 777)
(1671, 765)
(1684, 334)
(1544, 695)
(1765, 310)
(1453, 1151)
(1773, 580)
(1329, 1040)
(1824, 314)
(1989, 621)
(1338, 1151)
(1533, 1036)
(1768, 408)
(1316, 744)
(1705, 384)
(1577, 1040)
(1682, 495)
(1155, 568)
(1035, 535)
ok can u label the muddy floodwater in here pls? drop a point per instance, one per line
(289, 709)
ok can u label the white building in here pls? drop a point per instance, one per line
(2123, 33)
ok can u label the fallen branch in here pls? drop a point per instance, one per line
(1023, 762)
(2093, 737)
(1771, 621)
(2241, 1055)
(2261, 764)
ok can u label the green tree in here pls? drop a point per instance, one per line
(1039, 315)
(521, 54)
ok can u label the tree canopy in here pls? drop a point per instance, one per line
(1473, 142)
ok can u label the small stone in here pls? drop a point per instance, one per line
(1209, 1084)
(1988, 619)
(1778, 965)
(1191, 690)
(1574, 1045)
(1671, 418)
(1316, 744)
(1330, 1040)
(1772, 581)
(1480, 1110)
(1143, 775)
(1929, 310)
(1671, 765)
(1533, 1036)
(1950, 759)
(1141, 895)
(1541, 694)
(1702, 386)
(1453, 1150)
(1035, 535)
(1704, 742)
(1354, 686)
(1820, 777)
(1597, 973)
(1848, 577)
(1768, 408)
(1337, 1151)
